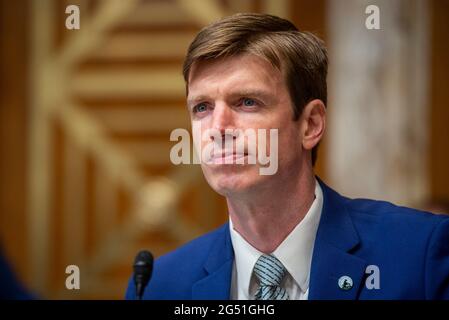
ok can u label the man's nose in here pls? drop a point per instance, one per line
(222, 119)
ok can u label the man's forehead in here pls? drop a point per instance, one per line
(247, 71)
(239, 62)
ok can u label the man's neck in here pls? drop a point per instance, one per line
(265, 219)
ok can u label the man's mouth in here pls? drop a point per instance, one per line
(227, 157)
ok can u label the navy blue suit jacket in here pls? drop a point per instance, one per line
(409, 247)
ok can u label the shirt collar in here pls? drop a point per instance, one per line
(295, 252)
(246, 257)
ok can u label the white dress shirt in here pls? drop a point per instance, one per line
(295, 253)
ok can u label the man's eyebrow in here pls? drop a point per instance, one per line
(251, 93)
(194, 99)
(238, 93)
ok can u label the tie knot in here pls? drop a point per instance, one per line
(269, 270)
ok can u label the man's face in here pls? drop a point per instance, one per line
(242, 92)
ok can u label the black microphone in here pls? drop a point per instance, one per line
(143, 267)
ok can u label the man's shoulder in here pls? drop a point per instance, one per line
(388, 211)
(379, 211)
(391, 221)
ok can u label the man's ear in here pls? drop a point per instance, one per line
(313, 119)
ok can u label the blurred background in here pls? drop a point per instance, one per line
(86, 116)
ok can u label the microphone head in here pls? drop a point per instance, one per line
(143, 267)
(144, 256)
(143, 263)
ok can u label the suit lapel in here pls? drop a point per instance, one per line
(331, 260)
(218, 266)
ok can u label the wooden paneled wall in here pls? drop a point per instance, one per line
(14, 18)
(439, 104)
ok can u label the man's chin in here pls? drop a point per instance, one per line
(230, 190)
(233, 184)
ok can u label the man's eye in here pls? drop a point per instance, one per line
(248, 102)
(202, 107)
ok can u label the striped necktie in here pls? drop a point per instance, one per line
(270, 273)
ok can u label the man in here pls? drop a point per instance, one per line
(289, 235)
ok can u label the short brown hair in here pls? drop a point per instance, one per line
(301, 56)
